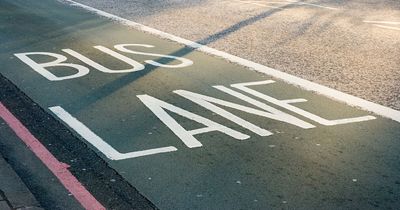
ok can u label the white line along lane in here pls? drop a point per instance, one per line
(99, 143)
(384, 24)
(284, 3)
(288, 78)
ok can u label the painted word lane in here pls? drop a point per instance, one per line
(190, 130)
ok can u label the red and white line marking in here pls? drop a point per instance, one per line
(58, 168)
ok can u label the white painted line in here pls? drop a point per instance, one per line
(387, 27)
(382, 22)
(314, 5)
(262, 4)
(257, 4)
(98, 142)
(378, 24)
(293, 101)
(302, 83)
(244, 87)
(270, 2)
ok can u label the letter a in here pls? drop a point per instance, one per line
(187, 136)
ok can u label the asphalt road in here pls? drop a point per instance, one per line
(328, 42)
(156, 124)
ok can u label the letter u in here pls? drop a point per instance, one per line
(136, 66)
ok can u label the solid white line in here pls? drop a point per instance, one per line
(270, 2)
(309, 4)
(98, 142)
(387, 27)
(316, 5)
(302, 83)
(293, 101)
(262, 4)
(257, 4)
(382, 22)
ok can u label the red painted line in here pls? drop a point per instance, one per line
(58, 168)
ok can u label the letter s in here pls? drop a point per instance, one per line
(184, 62)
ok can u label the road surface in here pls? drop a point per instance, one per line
(138, 118)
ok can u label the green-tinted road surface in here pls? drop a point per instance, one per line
(192, 131)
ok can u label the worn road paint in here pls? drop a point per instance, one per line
(387, 27)
(258, 4)
(59, 169)
(314, 5)
(382, 22)
(288, 2)
(389, 24)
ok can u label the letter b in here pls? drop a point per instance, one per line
(41, 67)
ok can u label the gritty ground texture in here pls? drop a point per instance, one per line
(346, 166)
(329, 42)
(13, 192)
(89, 169)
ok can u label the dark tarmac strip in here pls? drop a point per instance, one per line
(108, 187)
(128, 110)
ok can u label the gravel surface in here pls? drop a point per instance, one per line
(328, 43)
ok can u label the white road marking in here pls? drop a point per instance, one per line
(98, 142)
(42, 68)
(158, 108)
(382, 22)
(264, 4)
(315, 5)
(271, 113)
(257, 4)
(386, 26)
(290, 79)
(287, 105)
(293, 101)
